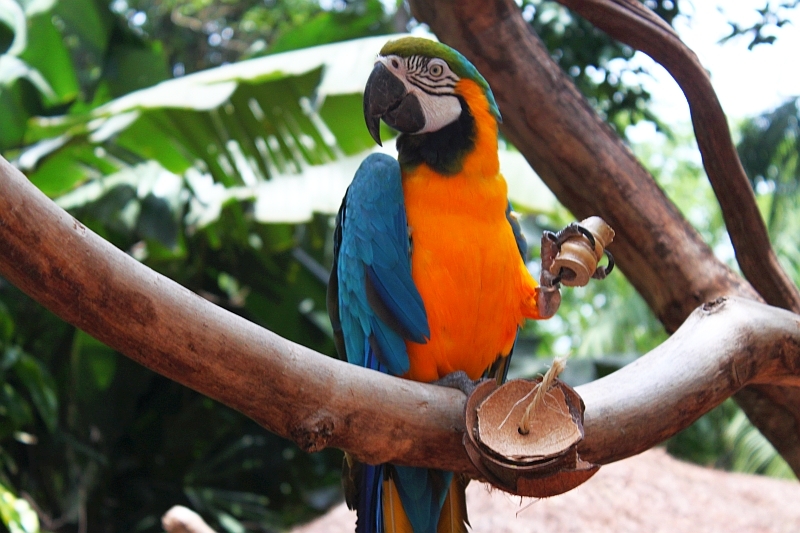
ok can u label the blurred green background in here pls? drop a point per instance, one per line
(191, 135)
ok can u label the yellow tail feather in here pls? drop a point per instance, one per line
(394, 517)
(454, 511)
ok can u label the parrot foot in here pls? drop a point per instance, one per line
(458, 380)
(548, 300)
(548, 296)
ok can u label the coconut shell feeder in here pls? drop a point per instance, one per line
(545, 461)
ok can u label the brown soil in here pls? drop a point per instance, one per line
(650, 493)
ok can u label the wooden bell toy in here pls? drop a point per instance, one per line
(577, 261)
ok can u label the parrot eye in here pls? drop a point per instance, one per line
(436, 69)
(395, 63)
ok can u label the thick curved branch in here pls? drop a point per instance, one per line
(722, 347)
(592, 172)
(289, 389)
(318, 401)
(634, 24)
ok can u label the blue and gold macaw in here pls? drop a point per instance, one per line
(429, 277)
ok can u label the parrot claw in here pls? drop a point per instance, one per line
(458, 380)
(572, 230)
(602, 271)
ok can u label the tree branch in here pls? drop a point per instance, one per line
(315, 400)
(180, 519)
(318, 401)
(634, 24)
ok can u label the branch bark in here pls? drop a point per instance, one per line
(592, 172)
(180, 519)
(634, 24)
(318, 401)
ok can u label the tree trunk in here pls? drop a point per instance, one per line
(592, 172)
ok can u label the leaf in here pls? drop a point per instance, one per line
(257, 117)
(47, 51)
(97, 364)
(35, 7)
(752, 452)
(6, 325)
(14, 116)
(13, 69)
(12, 15)
(157, 221)
(68, 167)
(10, 357)
(330, 26)
(15, 410)
(147, 137)
(132, 66)
(344, 116)
(90, 20)
(17, 514)
(40, 387)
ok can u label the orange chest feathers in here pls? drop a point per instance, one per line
(466, 265)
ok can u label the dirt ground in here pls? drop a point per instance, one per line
(650, 493)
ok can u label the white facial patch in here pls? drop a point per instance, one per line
(439, 111)
(433, 83)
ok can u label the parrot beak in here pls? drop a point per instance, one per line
(386, 97)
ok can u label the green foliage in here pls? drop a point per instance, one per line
(16, 513)
(239, 124)
(769, 148)
(771, 17)
(198, 34)
(596, 63)
(724, 438)
(752, 452)
(183, 176)
(62, 54)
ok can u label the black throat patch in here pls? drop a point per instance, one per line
(443, 150)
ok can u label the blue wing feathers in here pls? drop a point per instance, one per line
(379, 308)
(522, 244)
(395, 294)
(376, 290)
(389, 348)
(370, 517)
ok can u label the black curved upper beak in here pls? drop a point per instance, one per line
(382, 93)
(385, 97)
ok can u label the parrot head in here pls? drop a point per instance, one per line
(414, 87)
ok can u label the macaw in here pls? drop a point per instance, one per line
(429, 277)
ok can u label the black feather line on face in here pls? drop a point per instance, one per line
(443, 150)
